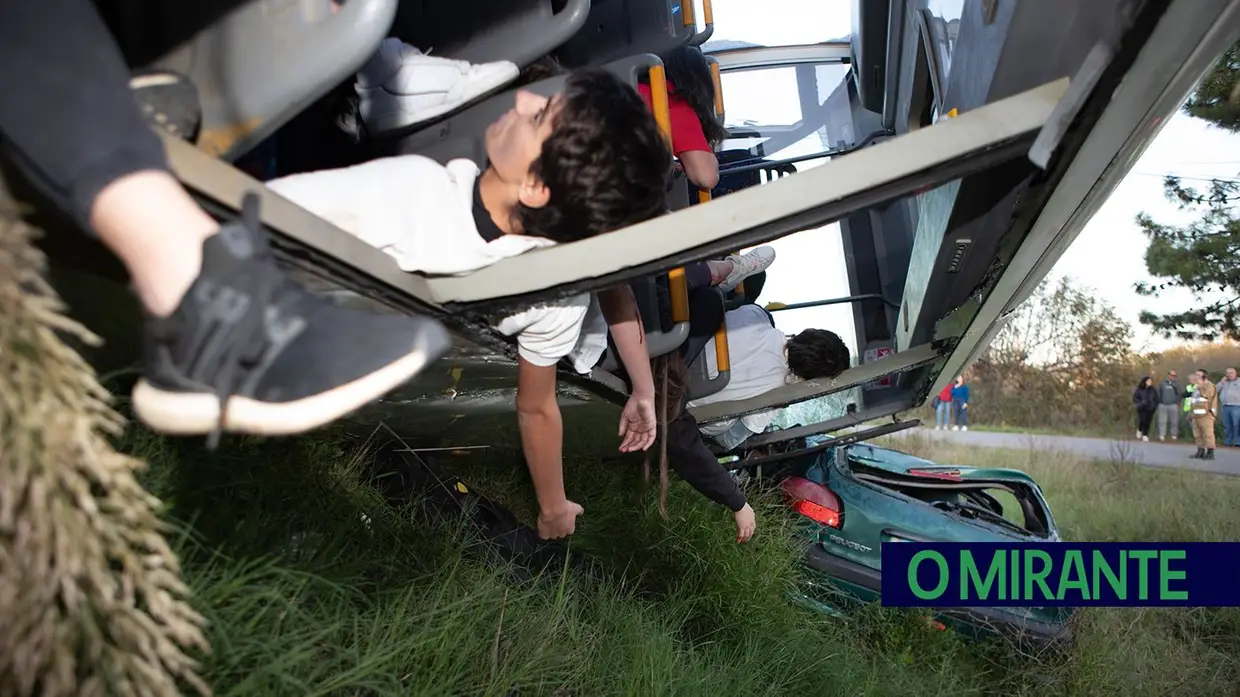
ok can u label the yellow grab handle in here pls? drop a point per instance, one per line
(714, 76)
(658, 101)
(723, 359)
(678, 285)
(686, 10)
(708, 13)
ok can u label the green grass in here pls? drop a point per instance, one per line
(305, 598)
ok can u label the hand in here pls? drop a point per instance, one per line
(746, 523)
(560, 521)
(638, 424)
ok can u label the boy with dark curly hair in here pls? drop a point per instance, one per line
(582, 163)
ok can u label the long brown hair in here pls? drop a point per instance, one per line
(671, 377)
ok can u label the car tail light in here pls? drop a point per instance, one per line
(814, 501)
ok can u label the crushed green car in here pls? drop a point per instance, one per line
(854, 498)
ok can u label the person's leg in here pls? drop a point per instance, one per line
(1198, 437)
(1231, 425)
(700, 274)
(734, 437)
(964, 416)
(232, 344)
(1161, 421)
(943, 415)
(1207, 435)
(727, 273)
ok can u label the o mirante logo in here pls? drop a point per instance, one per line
(919, 574)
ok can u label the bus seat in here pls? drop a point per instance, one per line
(481, 31)
(699, 382)
(464, 134)
(663, 333)
(619, 28)
(678, 192)
(708, 28)
(265, 61)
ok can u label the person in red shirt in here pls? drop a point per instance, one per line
(696, 131)
(943, 409)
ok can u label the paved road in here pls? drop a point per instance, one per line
(1172, 454)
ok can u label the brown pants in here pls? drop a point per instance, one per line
(1203, 431)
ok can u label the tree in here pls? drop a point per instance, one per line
(1059, 329)
(1203, 256)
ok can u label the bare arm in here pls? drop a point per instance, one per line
(701, 167)
(623, 319)
(542, 442)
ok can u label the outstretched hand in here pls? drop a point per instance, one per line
(638, 424)
(746, 524)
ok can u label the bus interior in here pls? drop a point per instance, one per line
(959, 148)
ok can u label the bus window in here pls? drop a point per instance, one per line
(781, 111)
(944, 27)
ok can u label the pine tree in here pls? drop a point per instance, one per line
(1203, 256)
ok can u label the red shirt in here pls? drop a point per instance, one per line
(946, 394)
(687, 131)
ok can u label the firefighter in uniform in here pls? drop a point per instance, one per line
(1204, 404)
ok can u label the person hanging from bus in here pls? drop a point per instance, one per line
(763, 358)
(555, 173)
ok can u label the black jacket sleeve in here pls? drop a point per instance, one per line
(695, 463)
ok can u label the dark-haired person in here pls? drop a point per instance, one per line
(1145, 401)
(696, 131)
(762, 359)
(555, 172)
(231, 342)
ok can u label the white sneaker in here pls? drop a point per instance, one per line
(964, 428)
(1145, 439)
(746, 265)
(1138, 435)
(400, 86)
(955, 428)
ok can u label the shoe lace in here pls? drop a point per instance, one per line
(241, 362)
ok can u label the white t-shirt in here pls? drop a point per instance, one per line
(421, 214)
(756, 351)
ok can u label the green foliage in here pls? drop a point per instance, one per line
(1217, 98)
(1064, 363)
(1204, 255)
(305, 598)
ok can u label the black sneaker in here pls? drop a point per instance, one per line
(251, 351)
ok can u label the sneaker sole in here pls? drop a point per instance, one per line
(182, 414)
